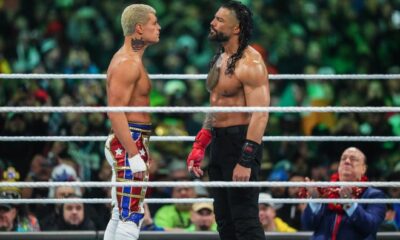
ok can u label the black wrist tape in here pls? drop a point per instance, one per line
(249, 152)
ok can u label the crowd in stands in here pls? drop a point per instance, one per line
(305, 36)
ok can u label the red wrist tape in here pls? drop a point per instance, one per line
(203, 139)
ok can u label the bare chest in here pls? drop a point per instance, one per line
(143, 85)
(228, 85)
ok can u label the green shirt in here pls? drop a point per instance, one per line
(170, 217)
(192, 228)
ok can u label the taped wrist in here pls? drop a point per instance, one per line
(203, 139)
(249, 152)
(137, 164)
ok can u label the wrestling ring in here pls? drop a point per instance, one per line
(197, 235)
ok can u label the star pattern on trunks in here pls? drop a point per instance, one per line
(118, 151)
(142, 152)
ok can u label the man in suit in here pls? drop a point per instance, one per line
(345, 221)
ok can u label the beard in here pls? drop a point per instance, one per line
(204, 228)
(217, 36)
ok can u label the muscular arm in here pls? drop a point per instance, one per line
(254, 77)
(120, 85)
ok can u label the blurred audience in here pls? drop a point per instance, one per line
(72, 216)
(202, 217)
(350, 37)
(176, 216)
(291, 213)
(267, 215)
(15, 217)
(53, 213)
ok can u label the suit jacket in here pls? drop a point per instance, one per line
(363, 223)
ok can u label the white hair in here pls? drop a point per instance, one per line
(135, 14)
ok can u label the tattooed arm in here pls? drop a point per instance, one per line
(207, 124)
(200, 144)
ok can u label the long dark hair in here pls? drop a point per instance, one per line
(245, 18)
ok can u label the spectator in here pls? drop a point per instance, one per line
(148, 222)
(60, 173)
(176, 171)
(15, 218)
(394, 192)
(176, 216)
(51, 216)
(291, 213)
(40, 170)
(100, 213)
(389, 225)
(202, 218)
(72, 217)
(347, 221)
(267, 215)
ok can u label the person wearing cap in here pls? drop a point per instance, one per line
(15, 218)
(202, 217)
(267, 215)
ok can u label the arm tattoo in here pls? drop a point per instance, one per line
(212, 77)
(207, 124)
(213, 74)
(137, 44)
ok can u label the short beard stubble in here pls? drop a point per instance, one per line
(218, 37)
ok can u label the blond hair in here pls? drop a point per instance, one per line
(135, 14)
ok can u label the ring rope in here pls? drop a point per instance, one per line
(195, 200)
(191, 138)
(198, 109)
(204, 76)
(198, 184)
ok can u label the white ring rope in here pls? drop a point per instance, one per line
(172, 138)
(198, 184)
(203, 76)
(191, 138)
(194, 200)
(198, 109)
